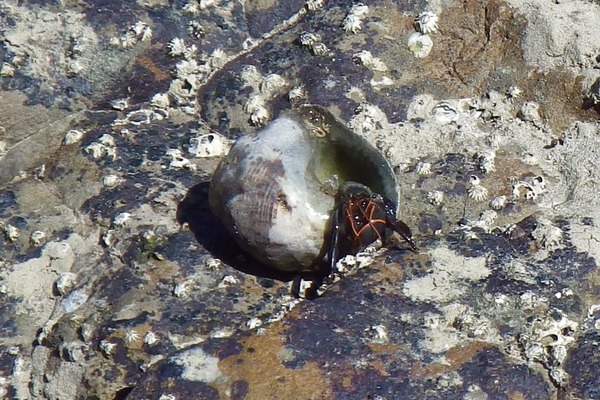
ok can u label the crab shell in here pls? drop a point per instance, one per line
(275, 191)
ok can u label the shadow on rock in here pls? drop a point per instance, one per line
(213, 236)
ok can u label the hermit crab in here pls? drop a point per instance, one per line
(305, 191)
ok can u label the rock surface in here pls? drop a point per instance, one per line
(117, 282)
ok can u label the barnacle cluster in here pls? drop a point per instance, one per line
(138, 32)
(419, 42)
(367, 117)
(546, 341)
(352, 23)
(312, 41)
(314, 5)
(105, 146)
(264, 89)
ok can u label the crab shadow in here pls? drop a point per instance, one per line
(214, 238)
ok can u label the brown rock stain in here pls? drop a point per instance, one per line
(455, 358)
(259, 364)
(158, 73)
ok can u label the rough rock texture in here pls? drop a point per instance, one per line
(117, 282)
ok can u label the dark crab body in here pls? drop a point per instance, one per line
(297, 194)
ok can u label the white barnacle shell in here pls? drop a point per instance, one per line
(186, 68)
(297, 93)
(513, 92)
(522, 189)
(352, 23)
(250, 75)
(359, 9)
(228, 280)
(12, 232)
(319, 49)
(487, 160)
(160, 100)
(426, 22)
(530, 112)
(131, 336)
(177, 47)
(420, 44)
(498, 202)
(73, 136)
(253, 323)
(529, 158)
(423, 168)
(178, 161)
(309, 39)
(121, 219)
(488, 217)
(373, 63)
(538, 184)
(111, 180)
(260, 116)
(314, 5)
(7, 70)
(271, 84)
(547, 235)
(37, 238)
(218, 58)
(435, 197)
(120, 104)
(107, 347)
(445, 112)
(150, 338)
(209, 145)
(377, 334)
(65, 283)
(476, 191)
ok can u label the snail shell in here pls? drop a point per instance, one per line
(275, 190)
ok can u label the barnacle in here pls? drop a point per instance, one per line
(529, 158)
(178, 161)
(373, 63)
(209, 145)
(250, 75)
(121, 219)
(309, 39)
(352, 23)
(319, 49)
(423, 168)
(476, 191)
(420, 44)
(426, 22)
(111, 180)
(7, 70)
(271, 84)
(73, 136)
(218, 58)
(435, 197)
(150, 338)
(37, 238)
(65, 283)
(259, 117)
(107, 347)
(498, 203)
(131, 336)
(314, 5)
(297, 93)
(160, 100)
